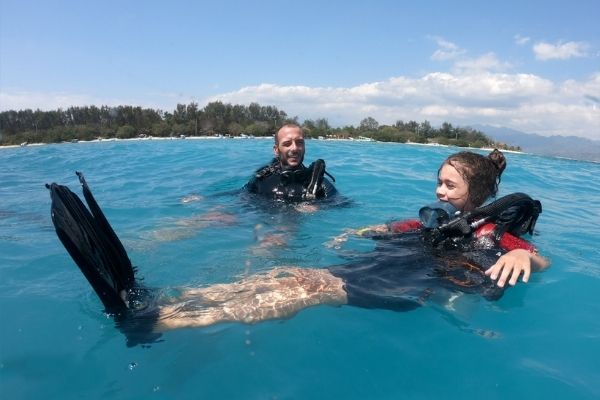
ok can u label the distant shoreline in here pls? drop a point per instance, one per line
(132, 140)
(270, 138)
(240, 138)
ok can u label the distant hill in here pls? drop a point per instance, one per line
(560, 146)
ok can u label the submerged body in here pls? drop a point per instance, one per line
(400, 275)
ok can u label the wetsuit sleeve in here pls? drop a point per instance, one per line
(404, 225)
(506, 241)
(385, 230)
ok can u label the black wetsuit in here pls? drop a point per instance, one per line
(291, 184)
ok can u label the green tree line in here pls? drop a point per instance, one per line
(91, 122)
(216, 118)
(405, 132)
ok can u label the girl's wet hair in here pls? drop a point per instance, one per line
(481, 173)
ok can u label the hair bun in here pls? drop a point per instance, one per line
(498, 159)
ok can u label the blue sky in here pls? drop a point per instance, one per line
(527, 65)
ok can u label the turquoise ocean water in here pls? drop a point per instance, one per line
(541, 340)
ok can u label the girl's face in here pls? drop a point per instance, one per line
(451, 187)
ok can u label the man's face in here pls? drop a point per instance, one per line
(289, 148)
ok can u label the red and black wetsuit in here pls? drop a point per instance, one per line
(506, 241)
(402, 272)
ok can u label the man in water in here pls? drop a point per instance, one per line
(286, 178)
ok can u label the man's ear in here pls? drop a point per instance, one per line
(276, 150)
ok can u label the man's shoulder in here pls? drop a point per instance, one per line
(261, 176)
(266, 170)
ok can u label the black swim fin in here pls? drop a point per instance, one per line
(93, 245)
(101, 257)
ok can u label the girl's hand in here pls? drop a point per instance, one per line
(511, 265)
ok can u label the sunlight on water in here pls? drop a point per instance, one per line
(175, 204)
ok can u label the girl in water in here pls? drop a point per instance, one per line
(395, 280)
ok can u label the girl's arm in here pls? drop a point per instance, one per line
(376, 230)
(522, 258)
(514, 263)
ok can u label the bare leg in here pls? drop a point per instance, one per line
(279, 293)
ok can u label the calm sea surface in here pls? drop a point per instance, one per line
(174, 205)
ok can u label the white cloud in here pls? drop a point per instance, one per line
(446, 51)
(562, 51)
(521, 101)
(486, 62)
(521, 40)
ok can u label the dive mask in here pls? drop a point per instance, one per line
(436, 214)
